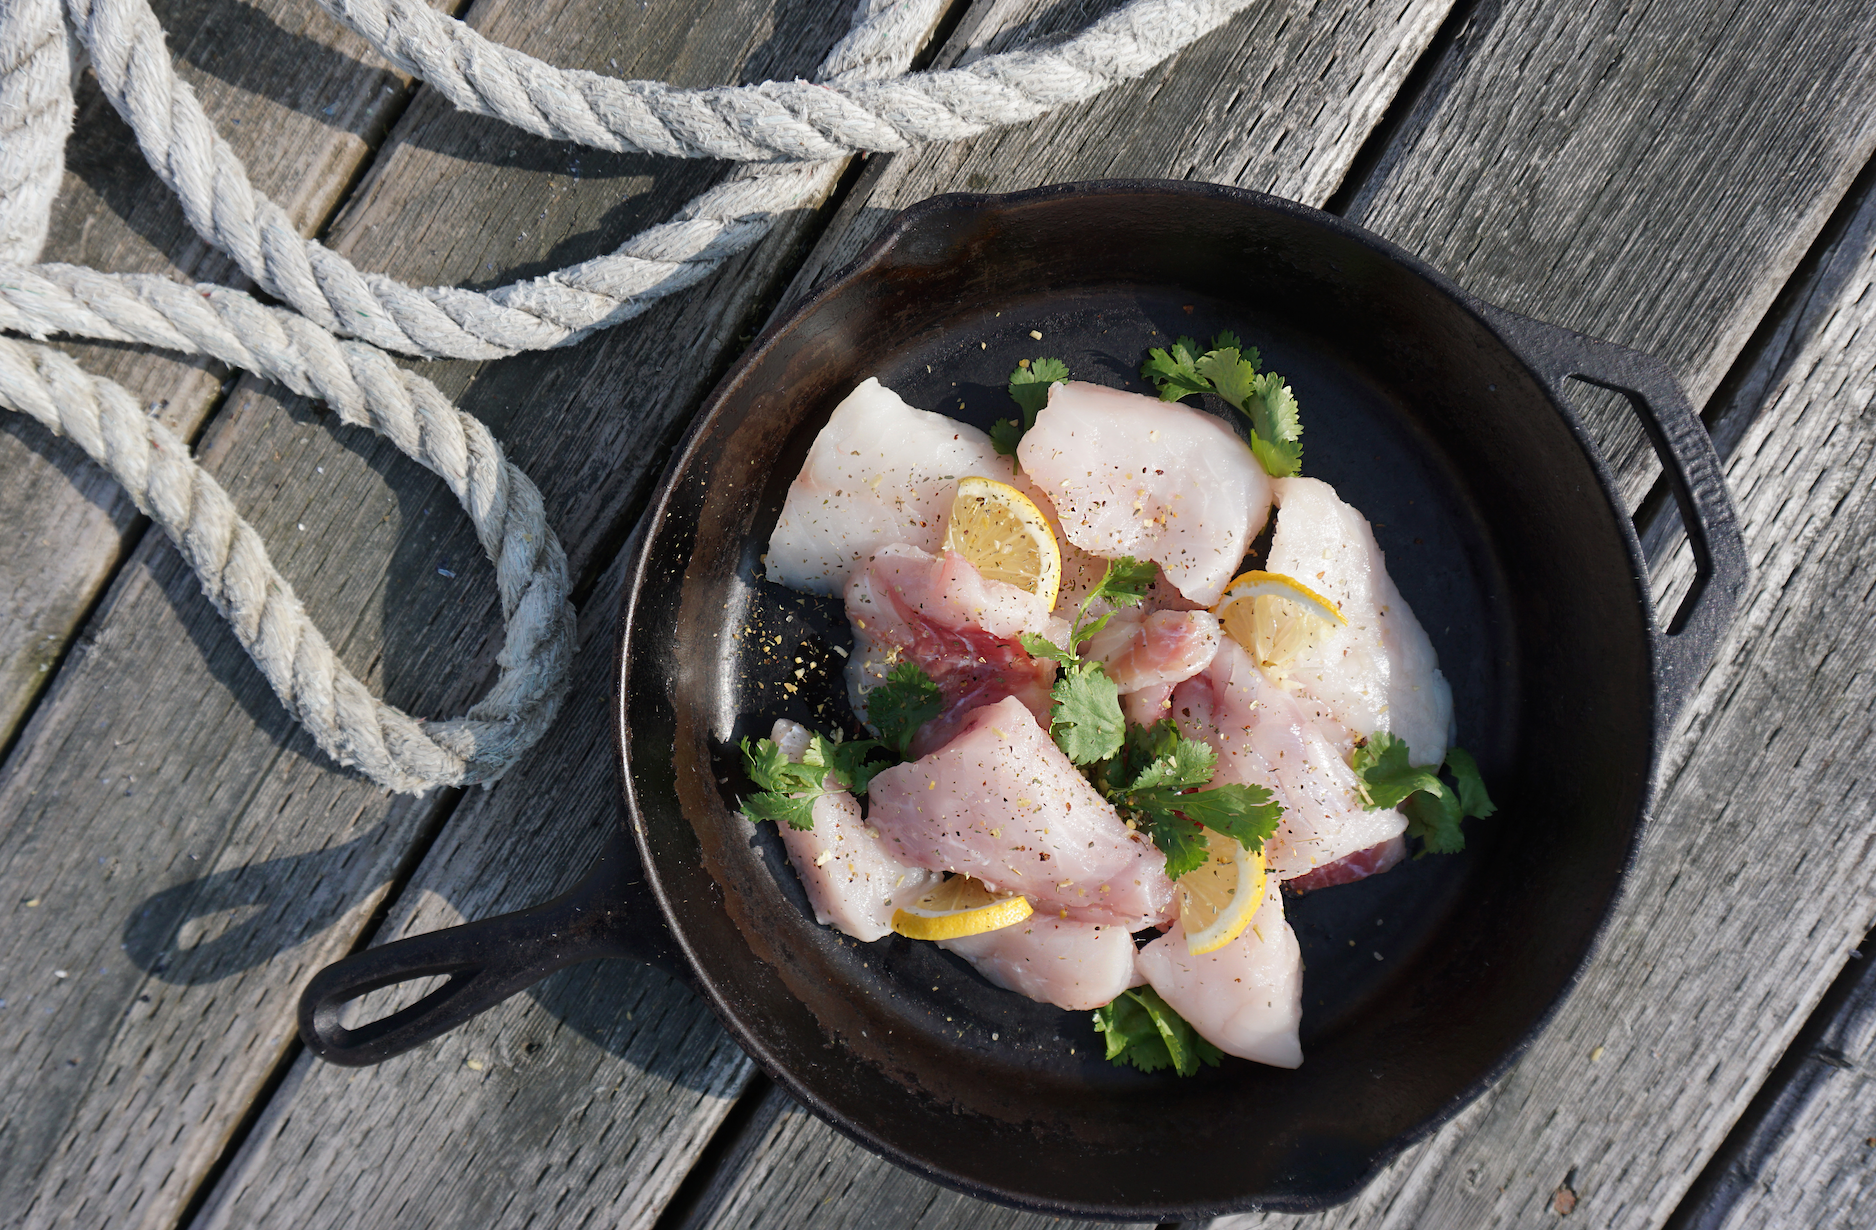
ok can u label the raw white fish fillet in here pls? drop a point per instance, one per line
(879, 472)
(852, 882)
(1246, 998)
(1144, 649)
(959, 627)
(1074, 965)
(1380, 672)
(1002, 803)
(1132, 475)
(1352, 867)
(1263, 738)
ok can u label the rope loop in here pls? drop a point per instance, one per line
(792, 133)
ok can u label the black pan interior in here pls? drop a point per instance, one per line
(1420, 984)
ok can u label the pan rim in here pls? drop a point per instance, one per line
(1480, 313)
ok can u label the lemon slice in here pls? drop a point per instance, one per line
(959, 907)
(1275, 617)
(1005, 536)
(1217, 899)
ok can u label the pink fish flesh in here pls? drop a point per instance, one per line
(879, 472)
(1246, 998)
(1074, 965)
(1352, 867)
(1144, 649)
(961, 629)
(1263, 738)
(1000, 802)
(853, 883)
(1132, 475)
(1379, 672)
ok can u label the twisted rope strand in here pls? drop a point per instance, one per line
(791, 129)
(155, 467)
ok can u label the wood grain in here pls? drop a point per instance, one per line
(590, 1095)
(1801, 1154)
(1563, 162)
(558, 802)
(1714, 960)
(302, 101)
(790, 1169)
(190, 856)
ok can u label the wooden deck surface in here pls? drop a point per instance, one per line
(1690, 177)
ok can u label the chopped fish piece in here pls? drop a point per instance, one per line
(1146, 649)
(853, 883)
(1002, 803)
(1380, 672)
(1352, 867)
(1246, 998)
(1132, 475)
(959, 627)
(879, 472)
(1074, 965)
(1263, 738)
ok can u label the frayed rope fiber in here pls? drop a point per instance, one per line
(330, 340)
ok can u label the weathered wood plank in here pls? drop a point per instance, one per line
(589, 1096)
(1800, 1156)
(308, 1117)
(1714, 960)
(193, 857)
(1589, 188)
(790, 1169)
(301, 100)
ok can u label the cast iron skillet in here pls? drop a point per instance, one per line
(1440, 417)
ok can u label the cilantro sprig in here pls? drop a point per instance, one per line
(1029, 388)
(1434, 809)
(1141, 1029)
(1154, 780)
(1230, 370)
(1085, 720)
(904, 701)
(789, 788)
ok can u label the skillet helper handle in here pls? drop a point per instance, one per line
(1689, 640)
(609, 913)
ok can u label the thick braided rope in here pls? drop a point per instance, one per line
(777, 119)
(133, 66)
(35, 116)
(388, 745)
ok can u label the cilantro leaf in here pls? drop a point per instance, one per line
(1039, 646)
(1386, 777)
(1086, 720)
(1233, 377)
(1029, 388)
(1433, 808)
(1465, 770)
(904, 702)
(1124, 583)
(1142, 1029)
(1175, 373)
(849, 762)
(1245, 813)
(1434, 819)
(1151, 778)
(1276, 428)
(1180, 839)
(796, 811)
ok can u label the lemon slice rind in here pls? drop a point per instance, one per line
(1005, 537)
(959, 907)
(1249, 586)
(1222, 896)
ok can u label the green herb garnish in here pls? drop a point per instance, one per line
(1142, 1029)
(789, 788)
(1433, 808)
(1230, 371)
(1029, 387)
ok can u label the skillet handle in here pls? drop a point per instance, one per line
(1692, 636)
(609, 913)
